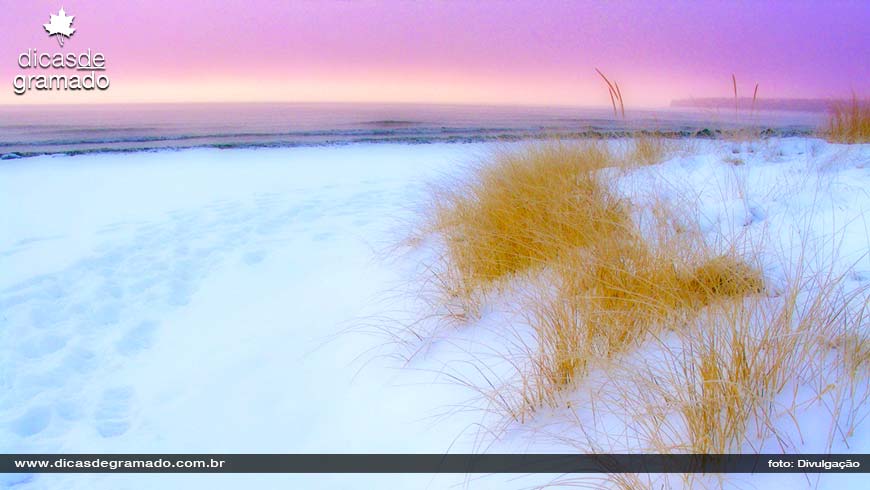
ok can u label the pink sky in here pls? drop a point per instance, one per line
(520, 52)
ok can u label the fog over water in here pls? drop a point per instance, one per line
(30, 130)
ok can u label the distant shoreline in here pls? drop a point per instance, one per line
(746, 104)
(48, 130)
(331, 139)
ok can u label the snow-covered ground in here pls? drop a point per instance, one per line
(210, 301)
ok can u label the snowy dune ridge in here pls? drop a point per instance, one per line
(236, 301)
(798, 211)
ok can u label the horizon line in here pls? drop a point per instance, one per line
(323, 102)
(672, 104)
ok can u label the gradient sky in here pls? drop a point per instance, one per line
(504, 52)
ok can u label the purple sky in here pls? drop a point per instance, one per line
(513, 52)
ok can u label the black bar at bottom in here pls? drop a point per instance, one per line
(434, 463)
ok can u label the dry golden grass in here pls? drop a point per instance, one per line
(616, 294)
(600, 276)
(855, 350)
(615, 95)
(522, 210)
(748, 130)
(733, 373)
(735, 379)
(650, 149)
(849, 122)
(601, 283)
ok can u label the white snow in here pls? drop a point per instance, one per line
(213, 301)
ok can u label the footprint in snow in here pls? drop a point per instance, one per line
(37, 347)
(137, 338)
(34, 421)
(111, 416)
(255, 257)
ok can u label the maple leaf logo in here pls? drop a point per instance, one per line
(60, 26)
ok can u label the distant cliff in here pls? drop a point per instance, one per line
(745, 103)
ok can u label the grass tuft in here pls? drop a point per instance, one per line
(616, 294)
(650, 149)
(522, 210)
(849, 122)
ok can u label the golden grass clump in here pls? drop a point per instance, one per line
(855, 349)
(728, 371)
(738, 377)
(849, 122)
(649, 149)
(735, 370)
(723, 276)
(617, 294)
(598, 282)
(522, 210)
